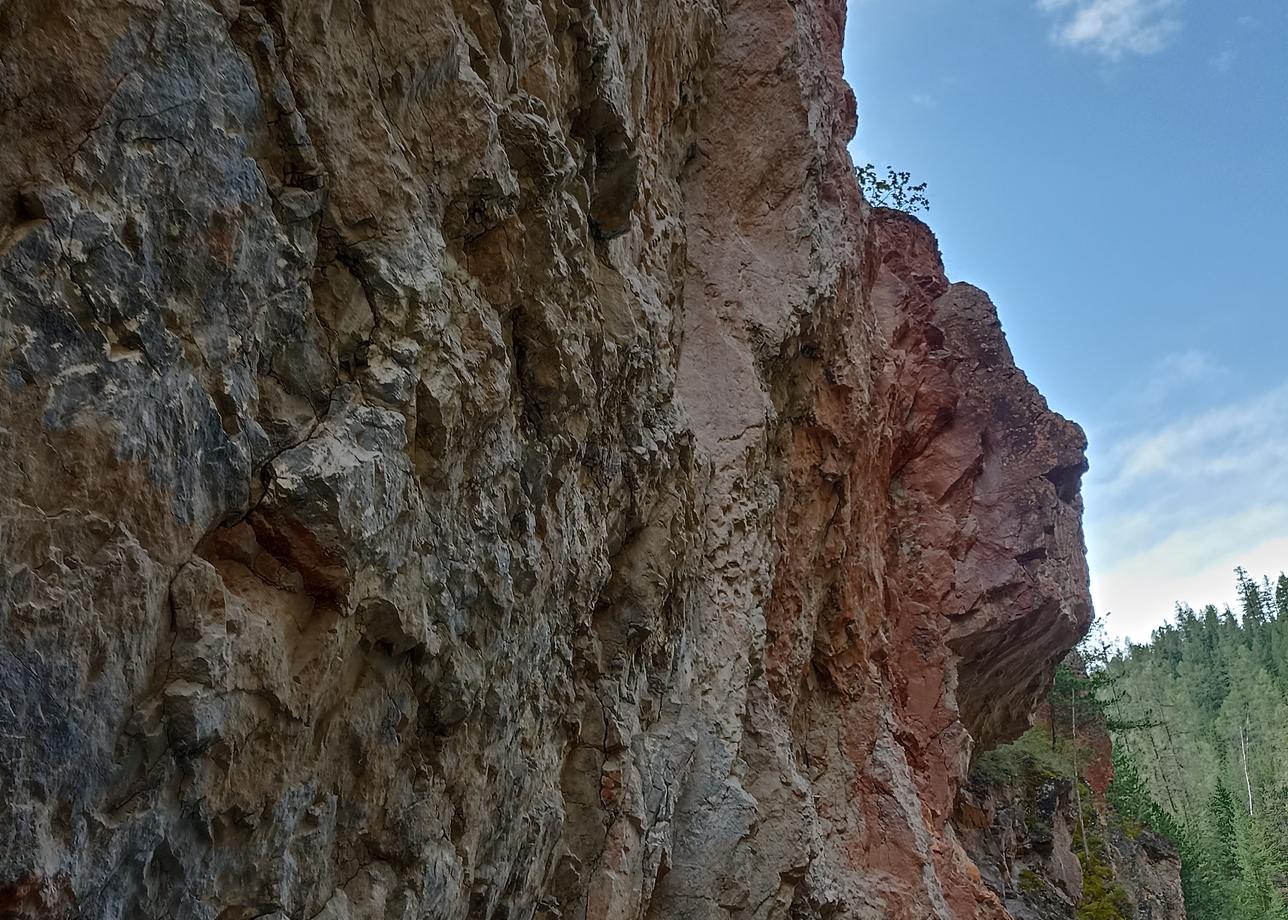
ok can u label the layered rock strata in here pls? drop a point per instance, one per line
(466, 459)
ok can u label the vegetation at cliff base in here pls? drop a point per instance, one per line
(1198, 718)
(1050, 771)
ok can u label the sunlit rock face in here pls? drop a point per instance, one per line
(484, 459)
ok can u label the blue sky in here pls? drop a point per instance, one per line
(1115, 174)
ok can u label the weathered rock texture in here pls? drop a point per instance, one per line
(1023, 830)
(484, 459)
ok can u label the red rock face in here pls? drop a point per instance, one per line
(927, 557)
(930, 571)
(987, 581)
(985, 487)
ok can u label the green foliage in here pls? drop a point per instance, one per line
(1199, 718)
(1201, 749)
(896, 190)
(1029, 881)
(1080, 704)
(1133, 803)
(1128, 794)
(1222, 813)
(1103, 897)
(1259, 891)
(1027, 762)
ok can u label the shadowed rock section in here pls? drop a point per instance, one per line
(1019, 819)
(484, 459)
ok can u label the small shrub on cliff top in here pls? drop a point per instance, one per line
(894, 191)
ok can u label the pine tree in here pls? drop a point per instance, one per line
(1208, 697)
(1258, 892)
(1222, 810)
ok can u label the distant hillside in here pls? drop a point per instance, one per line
(1207, 704)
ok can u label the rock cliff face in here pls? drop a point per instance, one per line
(484, 459)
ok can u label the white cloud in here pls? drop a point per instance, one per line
(1174, 507)
(1241, 439)
(1113, 28)
(1140, 594)
(925, 100)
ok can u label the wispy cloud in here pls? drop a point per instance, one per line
(1238, 439)
(1224, 60)
(1174, 506)
(925, 100)
(1177, 371)
(1143, 592)
(1114, 28)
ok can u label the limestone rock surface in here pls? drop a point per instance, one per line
(485, 459)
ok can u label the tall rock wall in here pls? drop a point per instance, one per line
(484, 459)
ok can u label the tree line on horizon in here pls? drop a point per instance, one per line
(1199, 717)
